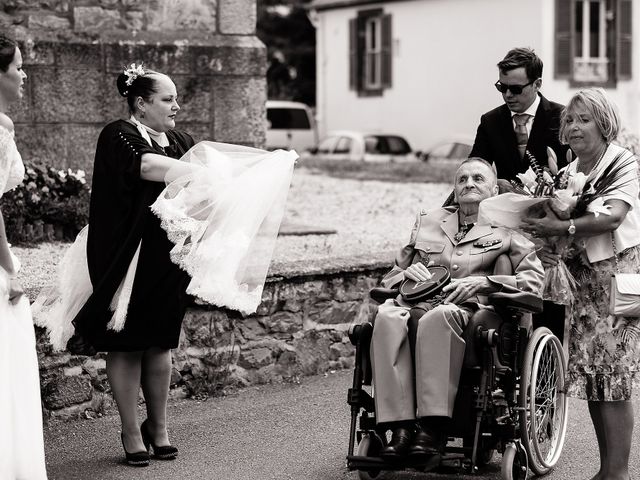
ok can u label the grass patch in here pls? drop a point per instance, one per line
(418, 172)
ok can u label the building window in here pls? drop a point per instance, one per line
(370, 52)
(593, 41)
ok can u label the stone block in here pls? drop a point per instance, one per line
(339, 350)
(37, 53)
(199, 131)
(181, 15)
(95, 366)
(73, 371)
(133, 20)
(66, 94)
(240, 111)
(166, 58)
(238, 16)
(67, 146)
(282, 322)
(67, 391)
(79, 55)
(312, 352)
(21, 112)
(334, 313)
(95, 19)
(252, 329)
(48, 22)
(255, 358)
(244, 58)
(195, 98)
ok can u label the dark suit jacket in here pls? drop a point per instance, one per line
(496, 139)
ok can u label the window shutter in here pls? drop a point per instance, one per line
(353, 54)
(564, 55)
(624, 21)
(387, 52)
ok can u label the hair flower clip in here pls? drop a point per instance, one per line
(134, 71)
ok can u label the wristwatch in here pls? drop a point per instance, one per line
(572, 227)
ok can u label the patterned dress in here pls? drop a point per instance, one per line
(604, 350)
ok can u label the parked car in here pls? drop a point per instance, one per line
(451, 149)
(368, 147)
(290, 125)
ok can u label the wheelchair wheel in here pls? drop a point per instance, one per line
(543, 421)
(369, 446)
(514, 463)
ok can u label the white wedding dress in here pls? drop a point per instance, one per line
(223, 219)
(21, 440)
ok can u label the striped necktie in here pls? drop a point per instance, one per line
(522, 136)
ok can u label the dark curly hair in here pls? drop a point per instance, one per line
(8, 48)
(142, 86)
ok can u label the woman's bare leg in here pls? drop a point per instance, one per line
(123, 372)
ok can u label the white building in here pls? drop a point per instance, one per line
(426, 68)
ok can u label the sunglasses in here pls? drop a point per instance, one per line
(515, 89)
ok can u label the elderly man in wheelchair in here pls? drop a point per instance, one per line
(417, 349)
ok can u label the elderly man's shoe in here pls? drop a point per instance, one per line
(399, 444)
(424, 444)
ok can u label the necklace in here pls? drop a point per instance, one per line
(462, 231)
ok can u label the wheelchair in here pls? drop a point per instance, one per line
(511, 398)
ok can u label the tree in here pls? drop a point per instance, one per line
(284, 27)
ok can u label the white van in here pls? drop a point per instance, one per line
(290, 125)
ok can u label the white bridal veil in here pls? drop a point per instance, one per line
(223, 219)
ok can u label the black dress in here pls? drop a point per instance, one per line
(119, 219)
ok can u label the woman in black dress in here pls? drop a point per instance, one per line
(125, 239)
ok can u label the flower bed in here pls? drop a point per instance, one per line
(48, 205)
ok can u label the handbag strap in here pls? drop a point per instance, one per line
(615, 253)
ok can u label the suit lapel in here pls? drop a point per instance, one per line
(540, 125)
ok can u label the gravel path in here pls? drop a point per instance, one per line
(369, 217)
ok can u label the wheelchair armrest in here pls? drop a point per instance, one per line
(381, 294)
(520, 301)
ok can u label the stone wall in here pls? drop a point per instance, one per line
(299, 329)
(74, 49)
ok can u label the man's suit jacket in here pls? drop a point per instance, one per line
(496, 139)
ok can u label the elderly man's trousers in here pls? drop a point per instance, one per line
(439, 354)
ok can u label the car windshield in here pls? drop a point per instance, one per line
(386, 144)
(288, 118)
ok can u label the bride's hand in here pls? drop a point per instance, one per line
(15, 291)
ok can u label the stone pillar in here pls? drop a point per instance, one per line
(73, 52)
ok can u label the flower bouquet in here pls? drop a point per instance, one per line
(566, 194)
(538, 192)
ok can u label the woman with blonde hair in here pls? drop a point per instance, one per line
(604, 349)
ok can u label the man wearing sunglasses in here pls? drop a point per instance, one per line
(526, 121)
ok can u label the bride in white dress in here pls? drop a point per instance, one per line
(21, 440)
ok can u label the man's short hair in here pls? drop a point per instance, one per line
(522, 57)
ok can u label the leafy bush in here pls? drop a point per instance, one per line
(49, 204)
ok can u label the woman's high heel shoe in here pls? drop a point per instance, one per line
(137, 459)
(167, 452)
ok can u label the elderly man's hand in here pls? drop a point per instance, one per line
(418, 272)
(462, 289)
